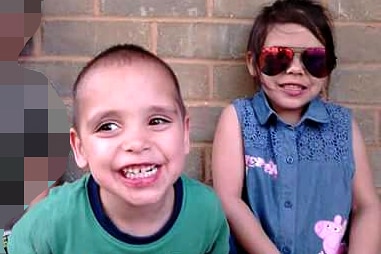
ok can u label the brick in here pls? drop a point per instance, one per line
(231, 82)
(366, 122)
(358, 43)
(193, 80)
(238, 8)
(199, 40)
(67, 7)
(28, 48)
(356, 86)
(355, 10)
(61, 74)
(143, 8)
(207, 173)
(379, 128)
(375, 161)
(195, 163)
(88, 38)
(202, 122)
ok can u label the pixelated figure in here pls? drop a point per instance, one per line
(34, 129)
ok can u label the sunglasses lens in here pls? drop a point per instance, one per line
(315, 61)
(274, 60)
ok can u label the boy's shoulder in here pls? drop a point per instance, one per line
(202, 210)
(199, 193)
(58, 204)
(196, 186)
(63, 195)
(46, 218)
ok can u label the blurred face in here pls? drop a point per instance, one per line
(131, 133)
(19, 20)
(290, 90)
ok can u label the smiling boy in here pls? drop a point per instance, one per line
(131, 130)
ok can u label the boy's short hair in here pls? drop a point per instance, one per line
(120, 55)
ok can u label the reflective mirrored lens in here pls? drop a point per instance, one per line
(274, 60)
(315, 61)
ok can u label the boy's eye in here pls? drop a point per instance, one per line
(107, 127)
(158, 120)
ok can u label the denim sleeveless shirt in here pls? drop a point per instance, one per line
(298, 178)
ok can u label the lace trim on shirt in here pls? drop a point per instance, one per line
(316, 141)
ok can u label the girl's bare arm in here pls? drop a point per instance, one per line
(365, 235)
(228, 175)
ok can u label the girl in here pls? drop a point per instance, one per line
(290, 168)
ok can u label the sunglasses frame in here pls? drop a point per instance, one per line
(330, 65)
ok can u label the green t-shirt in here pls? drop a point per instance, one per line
(65, 223)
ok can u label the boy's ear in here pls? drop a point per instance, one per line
(186, 134)
(76, 146)
(250, 64)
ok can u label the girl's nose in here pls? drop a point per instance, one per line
(296, 66)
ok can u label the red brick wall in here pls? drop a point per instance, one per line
(204, 41)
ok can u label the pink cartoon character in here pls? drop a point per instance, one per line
(332, 233)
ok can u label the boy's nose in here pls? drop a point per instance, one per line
(135, 142)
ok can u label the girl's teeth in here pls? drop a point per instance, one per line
(293, 87)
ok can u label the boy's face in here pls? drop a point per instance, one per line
(131, 133)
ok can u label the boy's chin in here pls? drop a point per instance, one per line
(148, 197)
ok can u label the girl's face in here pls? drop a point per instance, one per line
(292, 89)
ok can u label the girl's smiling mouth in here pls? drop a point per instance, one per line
(292, 89)
(293, 86)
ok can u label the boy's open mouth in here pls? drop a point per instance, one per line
(139, 171)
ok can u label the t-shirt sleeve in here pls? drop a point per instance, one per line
(29, 234)
(220, 244)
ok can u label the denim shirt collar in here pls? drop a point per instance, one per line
(316, 110)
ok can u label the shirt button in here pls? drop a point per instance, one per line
(286, 250)
(288, 204)
(289, 159)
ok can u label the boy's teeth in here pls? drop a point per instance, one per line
(140, 172)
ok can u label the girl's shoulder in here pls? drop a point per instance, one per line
(333, 106)
(337, 112)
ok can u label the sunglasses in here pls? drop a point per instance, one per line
(275, 60)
